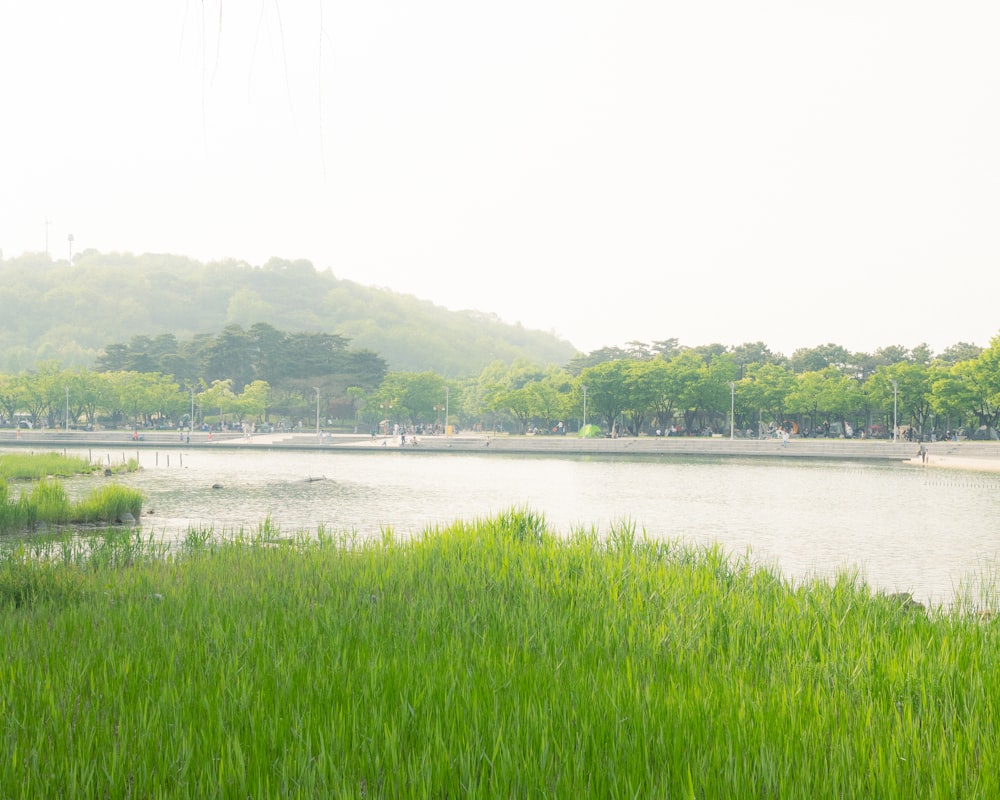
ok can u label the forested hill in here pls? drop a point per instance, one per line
(54, 310)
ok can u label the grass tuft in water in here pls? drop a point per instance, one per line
(46, 502)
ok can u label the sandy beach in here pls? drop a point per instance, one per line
(976, 464)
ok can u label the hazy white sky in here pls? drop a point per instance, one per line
(789, 171)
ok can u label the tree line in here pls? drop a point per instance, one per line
(264, 374)
(661, 386)
(163, 381)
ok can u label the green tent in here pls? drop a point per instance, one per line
(590, 432)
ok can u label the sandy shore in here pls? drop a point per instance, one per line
(958, 462)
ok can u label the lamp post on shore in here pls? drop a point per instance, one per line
(446, 399)
(66, 429)
(584, 387)
(895, 406)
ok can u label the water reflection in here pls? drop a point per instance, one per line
(903, 528)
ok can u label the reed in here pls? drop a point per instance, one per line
(489, 658)
(110, 503)
(46, 502)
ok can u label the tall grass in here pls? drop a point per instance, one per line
(486, 659)
(47, 502)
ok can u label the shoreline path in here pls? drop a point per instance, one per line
(978, 456)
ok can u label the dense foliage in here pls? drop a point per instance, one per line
(686, 390)
(489, 659)
(822, 391)
(69, 313)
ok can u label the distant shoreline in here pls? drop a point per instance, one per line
(977, 456)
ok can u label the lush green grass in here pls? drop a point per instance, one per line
(42, 465)
(32, 466)
(47, 502)
(489, 659)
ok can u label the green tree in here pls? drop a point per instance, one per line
(253, 400)
(912, 394)
(685, 374)
(411, 396)
(607, 391)
(814, 395)
(972, 387)
(231, 357)
(754, 353)
(644, 387)
(962, 351)
(764, 390)
(11, 391)
(218, 397)
(814, 359)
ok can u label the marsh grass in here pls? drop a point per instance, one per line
(486, 659)
(47, 502)
(32, 466)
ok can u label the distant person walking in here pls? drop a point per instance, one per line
(922, 452)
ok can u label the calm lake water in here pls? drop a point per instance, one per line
(901, 528)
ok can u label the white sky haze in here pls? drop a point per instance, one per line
(789, 171)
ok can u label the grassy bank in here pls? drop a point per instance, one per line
(489, 659)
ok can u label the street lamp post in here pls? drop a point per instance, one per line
(895, 406)
(584, 387)
(446, 399)
(67, 410)
(732, 408)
